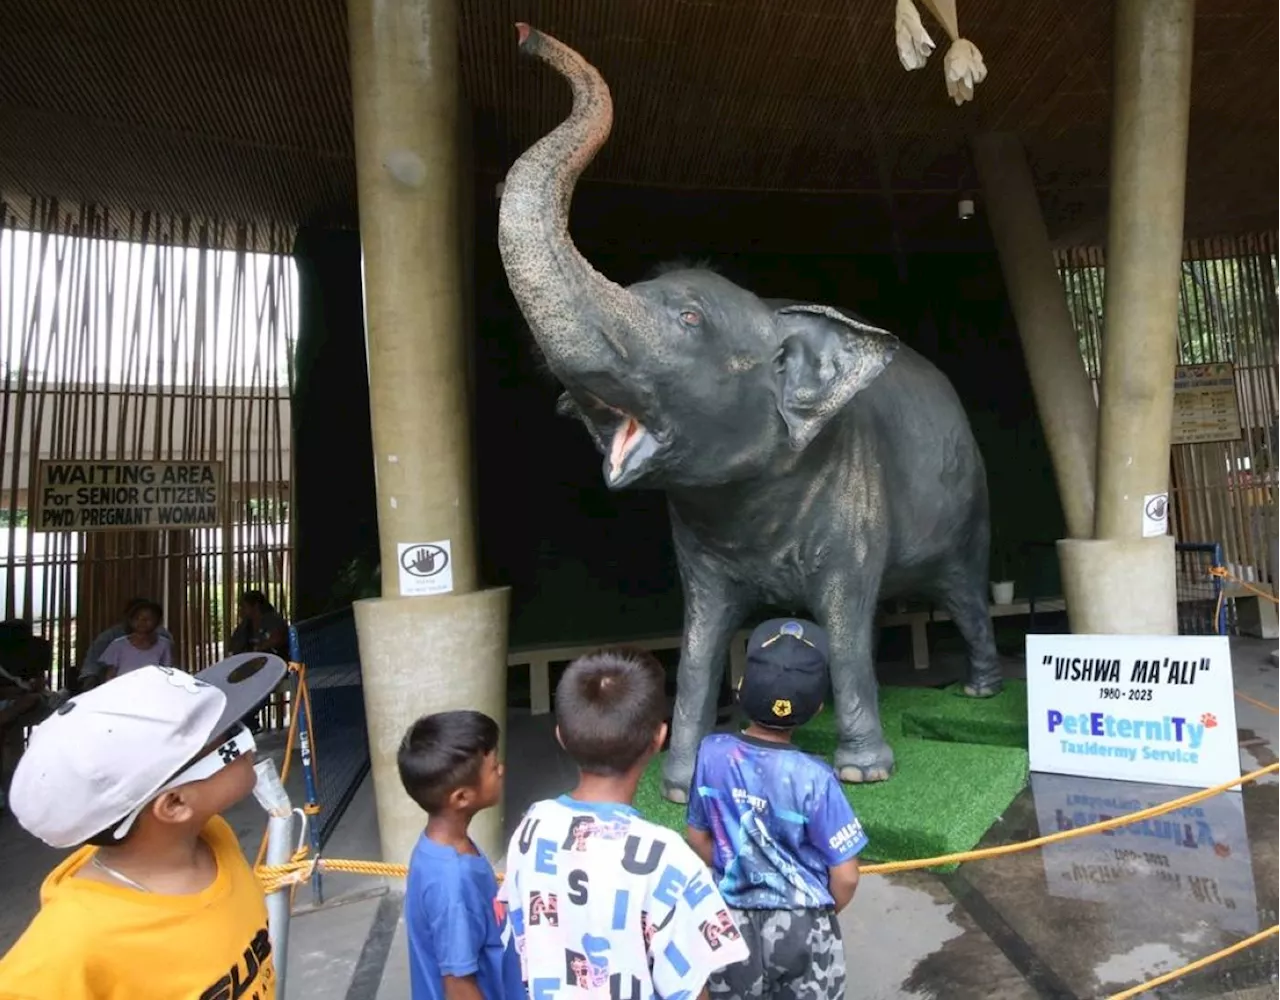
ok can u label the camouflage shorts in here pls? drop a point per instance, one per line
(795, 955)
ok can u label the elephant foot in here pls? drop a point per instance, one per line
(856, 767)
(984, 687)
(676, 778)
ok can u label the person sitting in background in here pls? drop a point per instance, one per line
(92, 669)
(261, 629)
(142, 647)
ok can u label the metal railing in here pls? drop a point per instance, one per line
(334, 742)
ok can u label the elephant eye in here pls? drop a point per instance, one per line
(690, 318)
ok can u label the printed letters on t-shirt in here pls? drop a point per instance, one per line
(240, 979)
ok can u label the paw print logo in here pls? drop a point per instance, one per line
(1209, 720)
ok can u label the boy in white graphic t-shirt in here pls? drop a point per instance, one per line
(604, 903)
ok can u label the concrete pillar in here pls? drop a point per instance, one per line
(1152, 95)
(1064, 397)
(1152, 98)
(432, 641)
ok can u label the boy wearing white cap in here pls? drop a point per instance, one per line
(159, 902)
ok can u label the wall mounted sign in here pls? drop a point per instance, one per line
(127, 496)
(1158, 709)
(426, 568)
(1205, 406)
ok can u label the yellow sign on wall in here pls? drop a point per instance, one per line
(127, 496)
(1205, 407)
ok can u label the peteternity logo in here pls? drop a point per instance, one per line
(424, 560)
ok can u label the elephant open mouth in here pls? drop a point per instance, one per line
(628, 446)
(630, 450)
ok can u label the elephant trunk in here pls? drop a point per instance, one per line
(574, 312)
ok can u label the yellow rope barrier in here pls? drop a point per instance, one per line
(300, 869)
(1258, 704)
(1169, 977)
(1221, 571)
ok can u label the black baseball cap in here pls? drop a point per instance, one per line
(786, 677)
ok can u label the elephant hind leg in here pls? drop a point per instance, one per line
(966, 601)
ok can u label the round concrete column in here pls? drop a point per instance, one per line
(1064, 397)
(419, 654)
(1152, 98)
(1120, 586)
(1125, 582)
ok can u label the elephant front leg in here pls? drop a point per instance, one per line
(711, 618)
(862, 754)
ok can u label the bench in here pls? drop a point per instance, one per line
(539, 657)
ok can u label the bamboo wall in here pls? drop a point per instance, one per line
(136, 339)
(1222, 491)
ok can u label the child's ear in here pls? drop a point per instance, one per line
(461, 798)
(659, 738)
(173, 806)
(559, 738)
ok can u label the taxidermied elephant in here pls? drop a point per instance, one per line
(810, 460)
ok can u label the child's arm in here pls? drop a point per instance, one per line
(698, 827)
(461, 988)
(701, 842)
(842, 882)
(837, 835)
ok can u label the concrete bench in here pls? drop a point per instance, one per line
(1255, 615)
(539, 657)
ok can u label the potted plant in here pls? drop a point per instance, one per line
(1001, 581)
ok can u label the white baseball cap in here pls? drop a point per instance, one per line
(106, 753)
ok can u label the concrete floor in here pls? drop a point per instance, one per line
(1080, 919)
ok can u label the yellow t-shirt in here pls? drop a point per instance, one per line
(93, 941)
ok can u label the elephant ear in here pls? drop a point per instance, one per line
(826, 359)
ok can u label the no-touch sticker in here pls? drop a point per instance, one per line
(1155, 515)
(426, 568)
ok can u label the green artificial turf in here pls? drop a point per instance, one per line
(959, 763)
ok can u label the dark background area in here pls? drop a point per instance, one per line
(586, 563)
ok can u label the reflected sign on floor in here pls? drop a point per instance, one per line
(1194, 861)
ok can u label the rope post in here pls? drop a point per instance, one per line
(272, 796)
(302, 719)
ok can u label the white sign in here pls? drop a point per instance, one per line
(1155, 515)
(425, 568)
(1192, 865)
(1157, 708)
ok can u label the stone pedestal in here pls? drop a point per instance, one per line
(1120, 586)
(421, 655)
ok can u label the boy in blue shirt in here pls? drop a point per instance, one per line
(775, 827)
(458, 950)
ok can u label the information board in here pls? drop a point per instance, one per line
(1151, 708)
(1192, 865)
(1205, 405)
(127, 496)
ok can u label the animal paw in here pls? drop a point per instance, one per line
(675, 793)
(1209, 720)
(851, 774)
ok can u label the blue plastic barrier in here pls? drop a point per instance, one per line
(335, 757)
(1201, 610)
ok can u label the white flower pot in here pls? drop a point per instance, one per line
(1002, 592)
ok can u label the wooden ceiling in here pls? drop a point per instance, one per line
(241, 110)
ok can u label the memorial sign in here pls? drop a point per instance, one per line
(1152, 708)
(127, 496)
(1205, 407)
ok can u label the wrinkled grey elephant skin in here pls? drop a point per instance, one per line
(810, 460)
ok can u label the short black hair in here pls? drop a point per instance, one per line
(609, 704)
(443, 752)
(145, 604)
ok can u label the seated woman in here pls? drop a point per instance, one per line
(143, 646)
(92, 669)
(262, 629)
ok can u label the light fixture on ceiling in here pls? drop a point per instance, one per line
(965, 209)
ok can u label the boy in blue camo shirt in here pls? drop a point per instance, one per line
(775, 827)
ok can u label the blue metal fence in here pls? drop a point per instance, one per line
(335, 757)
(1201, 608)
